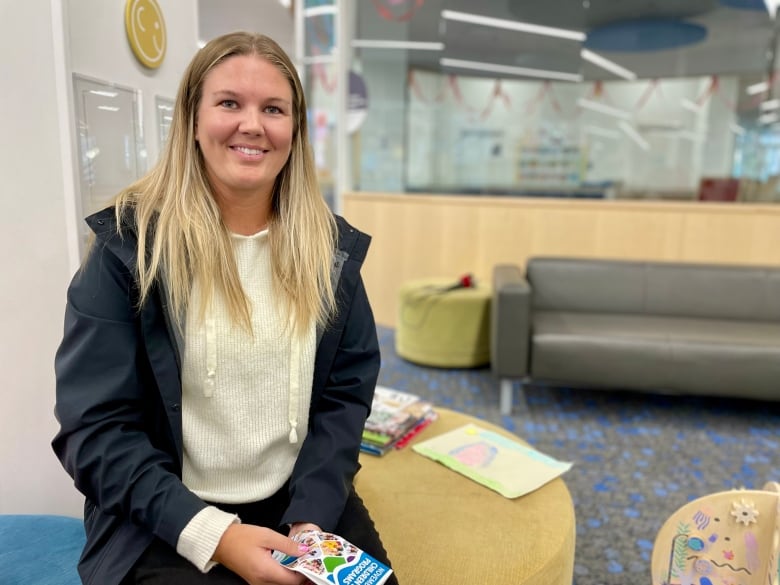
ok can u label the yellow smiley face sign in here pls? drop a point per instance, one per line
(145, 28)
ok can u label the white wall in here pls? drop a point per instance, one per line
(34, 260)
(99, 49)
(37, 218)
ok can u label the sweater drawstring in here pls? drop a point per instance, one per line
(295, 383)
(211, 354)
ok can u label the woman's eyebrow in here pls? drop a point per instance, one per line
(232, 94)
(279, 100)
(226, 92)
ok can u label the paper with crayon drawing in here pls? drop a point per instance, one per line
(504, 465)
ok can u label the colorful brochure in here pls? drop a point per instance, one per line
(332, 560)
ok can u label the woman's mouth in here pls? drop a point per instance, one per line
(248, 151)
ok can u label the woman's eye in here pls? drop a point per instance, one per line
(228, 104)
(273, 110)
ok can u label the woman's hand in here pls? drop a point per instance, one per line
(301, 526)
(246, 550)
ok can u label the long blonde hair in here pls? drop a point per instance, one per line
(176, 214)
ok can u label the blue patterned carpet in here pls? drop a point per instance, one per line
(637, 457)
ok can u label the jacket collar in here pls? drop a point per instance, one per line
(124, 245)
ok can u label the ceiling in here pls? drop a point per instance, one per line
(736, 34)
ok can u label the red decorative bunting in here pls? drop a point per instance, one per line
(654, 86)
(411, 81)
(498, 93)
(544, 90)
(322, 76)
(598, 92)
(452, 83)
(455, 89)
(322, 34)
(385, 9)
(714, 89)
(711, 89)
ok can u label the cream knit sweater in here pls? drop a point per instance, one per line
(245, 401)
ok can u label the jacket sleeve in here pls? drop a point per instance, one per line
(328, 459)
(103, 405)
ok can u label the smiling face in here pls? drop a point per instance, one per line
(244, 126)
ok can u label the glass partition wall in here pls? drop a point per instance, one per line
(317, 25)
(638, 99)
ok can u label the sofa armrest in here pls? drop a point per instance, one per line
(510, 327)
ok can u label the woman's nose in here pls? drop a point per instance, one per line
(252, 122)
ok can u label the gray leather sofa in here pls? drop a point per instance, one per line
(649, 326)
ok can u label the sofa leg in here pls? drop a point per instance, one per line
(506, 396)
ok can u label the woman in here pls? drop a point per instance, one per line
(220, 354)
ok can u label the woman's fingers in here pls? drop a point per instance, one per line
(246, 550)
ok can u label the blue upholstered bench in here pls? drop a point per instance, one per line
(40, 549)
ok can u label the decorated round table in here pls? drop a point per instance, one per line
(440, 527)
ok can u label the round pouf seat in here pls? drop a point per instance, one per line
(443, 328)
(40, 549)
(441, 527)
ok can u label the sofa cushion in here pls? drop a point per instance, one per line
(655, 288)
(657, 353)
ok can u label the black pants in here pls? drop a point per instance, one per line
(162, 565)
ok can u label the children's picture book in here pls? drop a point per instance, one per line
(502, 464)
(380, 448)
(395, 417)
(393, 412)
(332, 560)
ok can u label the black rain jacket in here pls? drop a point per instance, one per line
(118, 377)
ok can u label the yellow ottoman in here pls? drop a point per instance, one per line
(443, 328)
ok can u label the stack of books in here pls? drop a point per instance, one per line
(395, 418)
